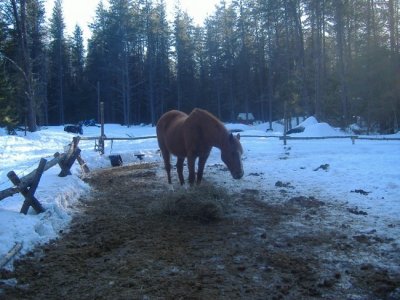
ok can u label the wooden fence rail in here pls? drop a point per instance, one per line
(351, 137)
(28, 184)
(99, 140)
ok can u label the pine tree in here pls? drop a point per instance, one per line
(58, 60)
(78, 104)
(8, 107)
(157, 59)
(185, 60)
(23, 62)
(37, 48)
(96, 71)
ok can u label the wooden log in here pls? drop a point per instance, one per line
(88, 138)
(30, 200)
(378, 138)
(75, 141)
(101, 145)
(102, 134)
(10, 254)
(95, 138)
(129, 138)
(8, 192)
(83, 165)
(68, 162)
(70, 150)
(32, 189)
(63, 163)
(315, 137)
(27, 179)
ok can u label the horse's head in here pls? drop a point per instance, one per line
(231, 155)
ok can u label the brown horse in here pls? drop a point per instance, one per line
(193, 136)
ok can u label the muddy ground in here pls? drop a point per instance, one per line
(136, 239)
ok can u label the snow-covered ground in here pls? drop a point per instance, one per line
(330, 169)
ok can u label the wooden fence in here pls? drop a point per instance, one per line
(99, 140)
(353, 138)
(28, 184)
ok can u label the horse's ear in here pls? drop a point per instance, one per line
(238, 136)
(230, 137)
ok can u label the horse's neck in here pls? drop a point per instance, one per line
(217, 134)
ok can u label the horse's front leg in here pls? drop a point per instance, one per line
(191, 159)
(202, 161)
(179, 168)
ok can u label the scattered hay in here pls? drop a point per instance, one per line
(115, 171)
(204, 203)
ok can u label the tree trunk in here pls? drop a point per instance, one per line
(20, 24)
(343, 91)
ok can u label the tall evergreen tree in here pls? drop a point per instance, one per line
(157, 59)
(58, 60)
(78, 104)
(37, 33)
(8, 107)
(185, 60)
(96, 71)
(25, 13)
(119, 47)
(251, 56)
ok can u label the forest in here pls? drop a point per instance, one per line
(337, 60)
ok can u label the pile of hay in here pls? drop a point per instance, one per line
(204, 203)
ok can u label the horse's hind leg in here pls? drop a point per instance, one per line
(200, 168)
(191, 166)
(167, 163)
(179, 168)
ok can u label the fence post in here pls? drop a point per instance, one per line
(72, 154)
(102, 135)
(285, 124)
(68, 162)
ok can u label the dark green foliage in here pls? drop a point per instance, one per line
(8, 110)
(337, 60)
(58, 70)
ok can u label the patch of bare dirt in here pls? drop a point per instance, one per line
(136, 239)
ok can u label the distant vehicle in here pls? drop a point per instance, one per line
(245, 118)
(74, 128)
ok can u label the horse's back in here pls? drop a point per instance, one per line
(170, 133)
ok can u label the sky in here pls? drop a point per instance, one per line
(370, 166)
(82, 12)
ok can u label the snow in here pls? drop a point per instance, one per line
(367, 165)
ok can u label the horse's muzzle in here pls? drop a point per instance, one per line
(237, 175)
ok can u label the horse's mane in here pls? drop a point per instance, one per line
(212, 125)
(214, 119)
